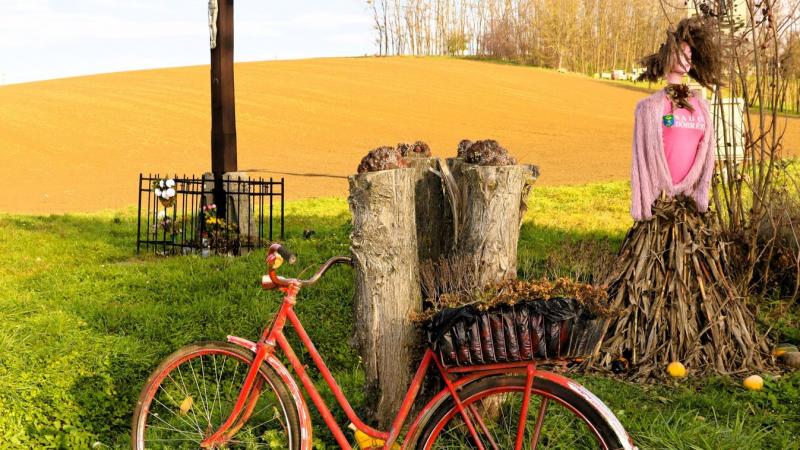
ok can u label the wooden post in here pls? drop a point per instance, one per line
(384, 247)
(223, 107)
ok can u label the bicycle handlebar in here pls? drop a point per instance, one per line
(277, 254)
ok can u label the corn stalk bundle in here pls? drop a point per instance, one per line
(670, 282)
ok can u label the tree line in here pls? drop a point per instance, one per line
(585, 36)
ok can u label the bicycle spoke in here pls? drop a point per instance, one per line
(233, 382)
(205, 389)
(197, 385)
(171, 428)
(539, 420)
(196, 424)
(177, 403)
(482, 426)
(191, 401)
(268, 422)
(186, 394)
(217, 380)
(500, 419)
(172, 440)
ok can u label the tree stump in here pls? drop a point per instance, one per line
(492, 203)
(383, 243)
(433, 214)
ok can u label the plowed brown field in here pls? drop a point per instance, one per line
(78, 144)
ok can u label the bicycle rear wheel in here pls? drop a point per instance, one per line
(557, 418)
(192, 393)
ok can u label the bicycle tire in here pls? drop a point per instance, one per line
(285, 409)
(608, 435)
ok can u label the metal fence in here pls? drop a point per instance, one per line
(177, 215)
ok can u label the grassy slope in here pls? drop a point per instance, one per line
(78, 144)
(85, 320)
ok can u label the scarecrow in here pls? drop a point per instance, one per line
(670, 280)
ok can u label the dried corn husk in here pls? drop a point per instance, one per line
(677, 304)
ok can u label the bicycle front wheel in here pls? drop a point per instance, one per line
(556, 418)
(193, 392)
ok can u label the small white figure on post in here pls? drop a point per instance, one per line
(213, 10)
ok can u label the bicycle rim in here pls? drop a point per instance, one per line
(494, 405)
(193, 392)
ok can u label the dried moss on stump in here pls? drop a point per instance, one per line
(448, 283)
(417, 149)
(382, 158)
(388, 158)
(488, 153)
(671, 284)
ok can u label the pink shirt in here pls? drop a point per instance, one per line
(681, 133)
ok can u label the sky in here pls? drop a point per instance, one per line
(44, 39)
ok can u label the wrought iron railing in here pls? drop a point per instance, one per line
(185, 221)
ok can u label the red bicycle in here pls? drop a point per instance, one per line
(238, 394)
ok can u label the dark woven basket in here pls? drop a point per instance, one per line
(558, 328)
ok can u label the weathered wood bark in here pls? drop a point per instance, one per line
(493, 201)
(384, 247)
(434, 217)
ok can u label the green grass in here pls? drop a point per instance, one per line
(84, 320)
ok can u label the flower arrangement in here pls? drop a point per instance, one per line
(220, 234)
(165, 223)
(165, 191)
(210, 216)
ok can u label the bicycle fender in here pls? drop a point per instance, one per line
(593, 400)
(299, 400)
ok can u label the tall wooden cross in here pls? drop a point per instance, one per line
(223, 104)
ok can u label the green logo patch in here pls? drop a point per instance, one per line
(669, 120)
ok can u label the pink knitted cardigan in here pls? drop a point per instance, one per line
(649, 171)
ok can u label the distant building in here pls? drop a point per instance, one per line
(735, 10)
(728, 117)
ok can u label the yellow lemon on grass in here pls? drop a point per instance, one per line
(753, 383)
(676, 370)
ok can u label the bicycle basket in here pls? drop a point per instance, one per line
(558, 328)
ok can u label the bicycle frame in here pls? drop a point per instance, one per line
(455, 378)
